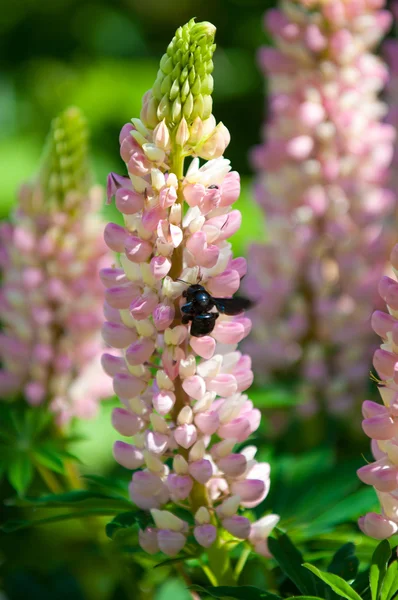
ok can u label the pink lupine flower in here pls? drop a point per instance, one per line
(381, 420)
(321, 180)
(180, 390)
(51, 295)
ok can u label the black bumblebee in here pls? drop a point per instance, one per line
(199, 305)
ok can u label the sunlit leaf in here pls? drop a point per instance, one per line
(378, 568)
(336, 583)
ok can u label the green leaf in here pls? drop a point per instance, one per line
(15, 524)
(361, 584)
(390, 583)
(20, 473)
(122, 521)
(338, 585)
(274, 397)
(49, 458)
(242, 592)
(344, 562)
(69, 499)
(378, 567)
(304, 598)
(290, 560)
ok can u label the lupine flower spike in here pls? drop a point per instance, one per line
(184, 399)
(51, 298)
(322, 176)
(381, 420)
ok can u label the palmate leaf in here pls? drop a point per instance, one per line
(126, 520)
(390, 582)
(344, 562)
(87, 498)
(243, 592)
(16, 524)
(378, 567)
(336, 583)
(20, 472)
(291, 561)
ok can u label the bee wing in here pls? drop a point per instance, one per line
(232, 306)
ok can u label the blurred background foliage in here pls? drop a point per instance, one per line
(102, 55)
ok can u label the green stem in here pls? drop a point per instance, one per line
(218, 571)
(49, 479)
(241, 562)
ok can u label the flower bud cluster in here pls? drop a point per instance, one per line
(51, 297)
(184, 402)
(322, 172)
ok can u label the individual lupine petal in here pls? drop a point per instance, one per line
(160, 266)
(203, 346)
(249, 490)
(170, 542)
(382, 475)
(137, 249)
(233, 465)
(126, 422)
(140, 351)
(128, 386)
(207, 421)
(111, 277)
(179, 486)
(156, 442)
(205, 535)
(114, 182)
(129, 202)
(223, 383)
(228, 507)
(377, 526)
(163, 316)
(163, 401)
(380, 427)
(238, 526)
(164, 519)
(121, 296)
(115, 237)
(185, 435)
(118, 335)
(201, 470)
(238, 429)
(228, 332)
(195, 387)
(260, 531)
(148, 540)
(127, 455)
(143, 306)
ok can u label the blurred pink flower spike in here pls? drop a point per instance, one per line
(322, 175)
(51, 293)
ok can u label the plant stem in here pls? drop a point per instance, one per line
(72, 476)
(49, 479)
(241, 562)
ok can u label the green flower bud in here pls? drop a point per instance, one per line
(65, 166)
(184, 83)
